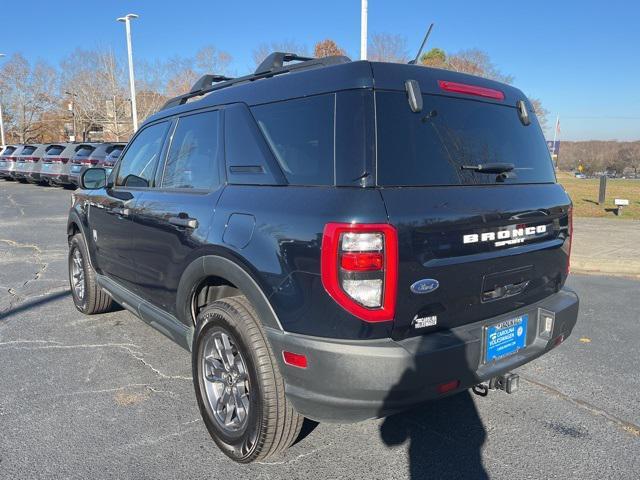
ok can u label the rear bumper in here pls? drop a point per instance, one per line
(58, 178)
(348, 381)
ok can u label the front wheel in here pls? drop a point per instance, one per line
(238, 386)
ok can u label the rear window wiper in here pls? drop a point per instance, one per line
(489, 167)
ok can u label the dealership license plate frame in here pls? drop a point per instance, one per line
(493, 353)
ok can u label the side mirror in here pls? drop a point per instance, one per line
(93, 178)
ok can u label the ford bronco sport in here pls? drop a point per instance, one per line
(332, 239)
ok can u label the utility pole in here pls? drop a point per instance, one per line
(132, 84)
(363, 29)
(1, 122)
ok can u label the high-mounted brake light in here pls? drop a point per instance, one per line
(359, 268)
(471, 90)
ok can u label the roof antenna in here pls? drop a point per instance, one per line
(424, 42)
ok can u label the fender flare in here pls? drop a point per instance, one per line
(214, 265)
(74, 219)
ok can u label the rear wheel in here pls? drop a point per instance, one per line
(88, 297)
(238, 385)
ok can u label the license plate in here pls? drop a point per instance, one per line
(76, 168)
(46, 167)
(505, 338)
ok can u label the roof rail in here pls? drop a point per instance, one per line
(276, 60)
(272, 65)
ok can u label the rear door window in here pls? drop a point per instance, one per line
(431, 146)
(301, 135)
(193, 158)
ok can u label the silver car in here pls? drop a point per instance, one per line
(55, 163)
(7, 161)
(26, 160)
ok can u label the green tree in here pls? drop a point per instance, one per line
(436, 57)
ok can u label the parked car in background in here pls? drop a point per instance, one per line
(32, 169)
(93, 155)
(113, 157)
(7, 161)
(79, 160)
(25, 160)
(55, 163)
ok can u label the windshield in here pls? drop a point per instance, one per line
(431, 146)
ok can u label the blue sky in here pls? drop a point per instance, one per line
(581, 58)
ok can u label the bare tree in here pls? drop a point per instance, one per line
(288, 46)
(476, 62)
(28, 92)
(327, 48)
(385, 47)
(541, 112)
(95, 83)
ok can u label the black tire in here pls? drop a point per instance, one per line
(94, 299)
(272, 423)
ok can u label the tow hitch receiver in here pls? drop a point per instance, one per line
(509, 382)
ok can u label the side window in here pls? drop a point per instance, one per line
(192, 161)
(301, 134)
(138, 166)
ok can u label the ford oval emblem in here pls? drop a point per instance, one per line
(426, 285)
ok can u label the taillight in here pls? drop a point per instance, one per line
(570, 238)
(94, 161)
(359, 268)
(471, 90)
(11, 159)
(33, 159)
(63, 160)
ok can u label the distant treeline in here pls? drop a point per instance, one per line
(600, 156)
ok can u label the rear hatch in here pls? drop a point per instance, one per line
(472, 245)
(26, 159)
(113, 153)
(83, 154)
(6, 157)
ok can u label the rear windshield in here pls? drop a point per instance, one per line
(430, 147)
(55, 150)
(115, 151)
(84, 151)
(8, 151)
(28, 150)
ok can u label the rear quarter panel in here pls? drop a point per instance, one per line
(283, 250)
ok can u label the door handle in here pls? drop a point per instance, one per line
(185, 222)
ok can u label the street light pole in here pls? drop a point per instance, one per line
(1, 122)
(363, 29)
(132, 85)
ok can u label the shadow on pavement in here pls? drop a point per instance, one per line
(445, 436)
(29, 304)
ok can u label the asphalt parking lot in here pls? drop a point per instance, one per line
(109, 397)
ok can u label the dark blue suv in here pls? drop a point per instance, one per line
(332, 239)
